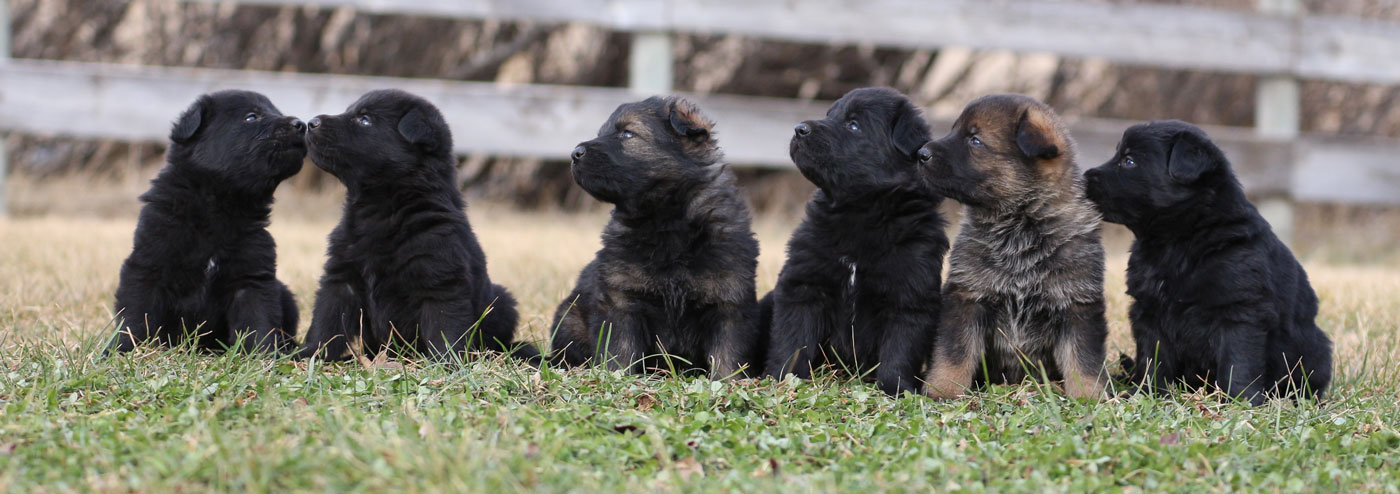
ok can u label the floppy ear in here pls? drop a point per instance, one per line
(687, 121)
(189, 121)
(1035, 135)
(909, 131)
(415, 127)
(1191, 156)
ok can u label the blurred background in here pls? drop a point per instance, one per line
(1304, 95)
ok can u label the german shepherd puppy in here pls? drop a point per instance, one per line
(202, 260)
(404, 271)
(860, 286)
(1025, 280)
(1217, 298)
(673, 285)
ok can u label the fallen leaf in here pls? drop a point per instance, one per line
(687, 467)
(645, 402)
(1170, 439)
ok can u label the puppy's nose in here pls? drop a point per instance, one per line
(315, 122)
(298, 125)
(579, 152)
(802, 129)
(925, 155)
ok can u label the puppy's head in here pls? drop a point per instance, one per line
(1003, 150)
(383, 137)
(240, 138)
(1159, 166)
(648, 146)
(868, 142)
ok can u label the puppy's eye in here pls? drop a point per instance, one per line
(1127, 162)
(975, 141)
(853, 125)
(362, 120)
(626, 134)
(251, 117)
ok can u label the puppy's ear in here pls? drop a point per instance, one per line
(190, 121)
(1036, 135)
(1192, 155)
(910, 131)
(417, 127)
(687, 121)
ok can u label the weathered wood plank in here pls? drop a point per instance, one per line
(138, 103)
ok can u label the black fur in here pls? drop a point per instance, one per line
(676, 271)
(1217, 298)
(202, 261)
(404, 270)
(861, 284)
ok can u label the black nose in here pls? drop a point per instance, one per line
(579, 152)
(802, 129)
(1092, 175)
(925, 155)
(298, 125)
(315, 122)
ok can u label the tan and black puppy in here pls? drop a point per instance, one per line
(1025, 279)
(673, 285)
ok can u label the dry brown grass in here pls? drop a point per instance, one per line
(57, 274)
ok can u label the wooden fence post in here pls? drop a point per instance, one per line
(1276, 116)
(4, 151)
(650, 63)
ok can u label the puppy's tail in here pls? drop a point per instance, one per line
(498, 328)
(1129, 368)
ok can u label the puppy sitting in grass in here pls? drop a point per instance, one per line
(404, 271)
(202, 262)
(673, 285)
(860, 286)
(1025, 283)
(1217, 298)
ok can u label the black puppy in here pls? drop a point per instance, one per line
(675, 276)
(202, 260)
(861, 283)
(1217, 298)
(404, 270)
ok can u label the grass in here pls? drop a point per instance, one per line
(178, 420)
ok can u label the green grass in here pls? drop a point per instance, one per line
(178, 420)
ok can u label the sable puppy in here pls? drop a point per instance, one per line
(860, 286)
(202, 261)
(676, 271)
(404, 270)
(1217, 298)
(1025, 279)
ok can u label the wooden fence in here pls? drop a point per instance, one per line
(1276, 42)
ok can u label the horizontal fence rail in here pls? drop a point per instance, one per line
(1318, 47)
(131, 102)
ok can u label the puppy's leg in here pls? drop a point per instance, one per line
(140, 318)
(257, 311)
(732, 340)
(1079, 352)
(1240, 364)
(570, 343)
(1155, 366)
(623, 335)
(907, 337)
(800, 324)
(959, 344)
(337, 317)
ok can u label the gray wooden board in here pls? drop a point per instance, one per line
(128, 102)
(1175, 36)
